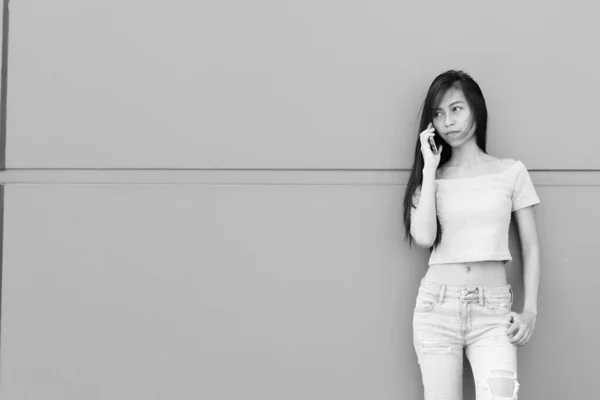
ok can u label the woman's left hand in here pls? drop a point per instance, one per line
(522, 327)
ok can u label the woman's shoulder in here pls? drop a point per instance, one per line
(508, 162)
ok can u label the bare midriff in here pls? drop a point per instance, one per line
(480, 273)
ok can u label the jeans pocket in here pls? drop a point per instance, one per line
(498, 306)
(425, 303)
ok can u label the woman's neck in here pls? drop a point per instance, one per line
(467, 155)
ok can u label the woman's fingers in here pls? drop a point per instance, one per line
(513, 327)
(519, 336)
(429, 129)
(520, 330)
(424, 140)
(426, 148)
(426, 134)
(525, 339)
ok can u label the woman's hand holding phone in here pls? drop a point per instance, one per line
(428, 148)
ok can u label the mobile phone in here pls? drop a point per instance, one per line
(434, 148)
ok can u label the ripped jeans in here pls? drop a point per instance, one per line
(447, 319)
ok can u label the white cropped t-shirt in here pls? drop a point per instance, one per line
(475, 213)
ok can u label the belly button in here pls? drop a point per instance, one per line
(468, 269)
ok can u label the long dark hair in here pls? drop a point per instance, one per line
(440, 85)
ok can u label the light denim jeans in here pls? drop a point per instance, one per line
(448, 319)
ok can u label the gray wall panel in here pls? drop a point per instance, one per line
(220, 292)
(296, 84)
(260, 291)
(561, 361)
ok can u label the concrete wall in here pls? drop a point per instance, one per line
(203, 199)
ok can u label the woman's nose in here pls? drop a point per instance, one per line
(448, 121)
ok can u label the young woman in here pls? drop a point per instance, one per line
(459, 203)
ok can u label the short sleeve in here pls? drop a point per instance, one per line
(524, 193)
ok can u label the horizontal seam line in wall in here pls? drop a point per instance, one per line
(257, 177)
(260, 169)
(238, 184)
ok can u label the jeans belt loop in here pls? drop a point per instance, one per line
(480, 295)
(442, 294)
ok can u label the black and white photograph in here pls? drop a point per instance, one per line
(299, 200)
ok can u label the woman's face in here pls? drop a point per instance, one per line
(452, 119)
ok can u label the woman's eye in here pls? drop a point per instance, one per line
(456, 108)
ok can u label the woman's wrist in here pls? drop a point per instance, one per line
(530, 310)
(429, 172)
